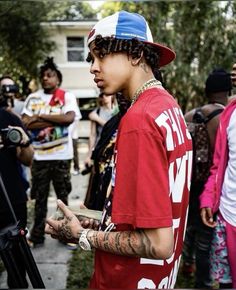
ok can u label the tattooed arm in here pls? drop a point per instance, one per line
(146, 243)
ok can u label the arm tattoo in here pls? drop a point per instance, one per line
(127, 243)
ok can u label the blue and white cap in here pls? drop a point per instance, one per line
(126, 25)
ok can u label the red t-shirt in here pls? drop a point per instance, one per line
(152, 180)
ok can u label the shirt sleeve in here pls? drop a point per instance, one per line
(141, 193)
(71, 105)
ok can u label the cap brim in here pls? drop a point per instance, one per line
(167, 55)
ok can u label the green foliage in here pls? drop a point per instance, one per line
(200, 32)
(80, 269)
(23, 43)
(72, 10)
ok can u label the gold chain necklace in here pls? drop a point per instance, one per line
(144, 87)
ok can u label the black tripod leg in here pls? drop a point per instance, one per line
(30, 265)
(16, 279)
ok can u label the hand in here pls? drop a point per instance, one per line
(25, 137)
(207, 217)
(31, 120)
(88, 162)
(67, 229)
(88, 223)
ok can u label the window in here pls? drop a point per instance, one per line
(76, 49)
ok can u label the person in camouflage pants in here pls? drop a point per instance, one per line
(48, 113)
(43, 172)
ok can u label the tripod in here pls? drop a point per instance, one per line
(14, 235)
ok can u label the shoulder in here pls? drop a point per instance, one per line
(10, 118)
(189, 115)
(69, 95)
(38, 93)
(209, 108)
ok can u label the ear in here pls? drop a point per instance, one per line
(136, 61)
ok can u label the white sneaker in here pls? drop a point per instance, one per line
(75, 172)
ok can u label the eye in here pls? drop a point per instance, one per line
(101, 55)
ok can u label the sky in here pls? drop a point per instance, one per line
(96, 4)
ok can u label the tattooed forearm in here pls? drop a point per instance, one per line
(135, 243)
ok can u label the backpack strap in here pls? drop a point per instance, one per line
(213, 114)
(199, 117)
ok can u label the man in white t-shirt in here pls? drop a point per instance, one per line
(48, 114)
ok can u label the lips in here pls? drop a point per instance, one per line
(99, 82)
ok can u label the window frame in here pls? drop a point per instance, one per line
(78, 49)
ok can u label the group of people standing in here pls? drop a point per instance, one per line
(199, 252)
(143, 154)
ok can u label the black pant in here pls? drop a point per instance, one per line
(5, 220)
(198, 238)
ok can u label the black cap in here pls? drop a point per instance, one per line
(218, 81)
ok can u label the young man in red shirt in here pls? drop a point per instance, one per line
(139, 241)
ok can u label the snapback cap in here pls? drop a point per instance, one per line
(126, 25)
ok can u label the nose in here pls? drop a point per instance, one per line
(94, 67)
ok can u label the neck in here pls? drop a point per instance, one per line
(221, 102)
(138, 78)
(49, 91)
(146, 85)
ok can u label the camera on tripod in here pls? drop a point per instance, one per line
(11, 137)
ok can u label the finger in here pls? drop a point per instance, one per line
(85, 223)
(203, 216)
(54, 237)
(96, 225)
(82, 206)
(67, 213)
(209, 215)
(53, 223)
(50, 230)
(92, 223)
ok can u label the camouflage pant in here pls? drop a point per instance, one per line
(43, 172)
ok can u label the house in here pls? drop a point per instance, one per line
(70, 55)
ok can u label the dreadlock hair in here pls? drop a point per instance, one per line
(49, 64)
(133, 47)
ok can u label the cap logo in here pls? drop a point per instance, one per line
(92, 32)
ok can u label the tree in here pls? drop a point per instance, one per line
(200, 32)
(23, 41)
(70, 10)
